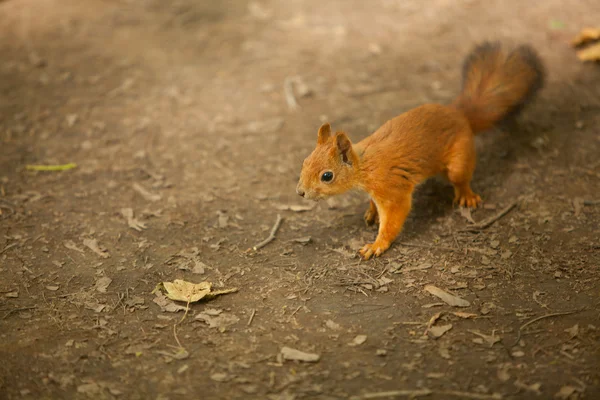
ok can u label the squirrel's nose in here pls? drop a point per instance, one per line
(300, 192)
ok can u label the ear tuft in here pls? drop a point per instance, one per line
(324, 133)
(344, 146)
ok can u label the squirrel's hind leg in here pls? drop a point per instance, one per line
(371, 215)
(460, 168)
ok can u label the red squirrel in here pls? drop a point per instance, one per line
(428, 140)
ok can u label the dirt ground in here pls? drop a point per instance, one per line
(186, 150)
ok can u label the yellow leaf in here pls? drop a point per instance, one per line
(591, 53)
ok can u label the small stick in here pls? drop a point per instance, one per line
(251, 317)
(8, 247)
(426, 246)
(16, 310)
(271, 236)
(526, 324)
(394, 393)
(469, 395)
(288, 90)
(295, 311)
(487, 222)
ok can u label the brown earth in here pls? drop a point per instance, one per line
(176, 111)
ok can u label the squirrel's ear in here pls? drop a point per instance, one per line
(324, 133)
(344, 147)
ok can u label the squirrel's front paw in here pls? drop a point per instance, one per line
(371, 216)
(373, 249)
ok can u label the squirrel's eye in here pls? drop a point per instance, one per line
(327, 176)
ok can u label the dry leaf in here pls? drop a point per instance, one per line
(223, 220)
(590, 53)
(297, 355)
(573, 331)
(534, 388)
(332, 325)
(180, 354)
(220, 321)
(464, 315)
(433, 319)
(491, 340)
(447, 297)
(465, 212)
(181, 290)
(420, 267)
(444, 351)
(93, 245)
(95, 306)
(69, 244)
(199, 267)
(302, 240)
(167, 305)
(145, 193)
(503, 373)
(565, 392)
(295, 208)
(133, 222)
(220, 377)
(578, 206)
(586, 35)
(102, 284)
(90, 389)
(437, 331)
(358, 340)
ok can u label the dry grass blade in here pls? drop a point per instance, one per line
(526, 324)
(474, 396)
(394, 393)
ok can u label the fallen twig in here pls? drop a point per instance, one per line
(487, 222)
(427, 246)
(475, 396)
(7, 205)
(288, 89)
(8, 247)
(251, 317)
(271, 235)
(526, 324)
(394, 393)
(16, 310)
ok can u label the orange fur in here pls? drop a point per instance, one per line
(423, 142)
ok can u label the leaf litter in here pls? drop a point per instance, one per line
(93, 245)
(132, 222)
(102, 284)
(291, 354)
(180, 290)
(446, 297)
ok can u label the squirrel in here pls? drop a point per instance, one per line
(429, 140)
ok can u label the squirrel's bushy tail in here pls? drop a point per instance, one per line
(497, 85)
